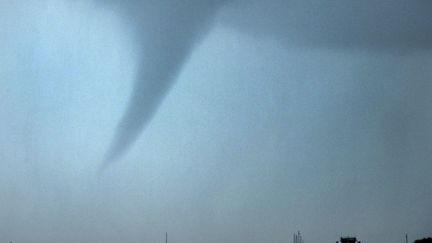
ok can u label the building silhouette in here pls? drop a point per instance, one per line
(424, 240)
(297, 238)
(348, 240)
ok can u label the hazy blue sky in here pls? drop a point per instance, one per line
(274, 117)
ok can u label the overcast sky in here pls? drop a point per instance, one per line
(262, 118)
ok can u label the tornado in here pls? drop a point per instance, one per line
(166, 32)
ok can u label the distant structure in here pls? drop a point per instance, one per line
(424, 240)
(297, 238)
(348, 240)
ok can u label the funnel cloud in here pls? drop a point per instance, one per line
(167, 35)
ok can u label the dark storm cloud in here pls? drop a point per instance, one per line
(341, 24)
(168, 30)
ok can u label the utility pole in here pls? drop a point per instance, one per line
(166, 237)
(406, 238)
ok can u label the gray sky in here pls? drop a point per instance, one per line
(270, 118)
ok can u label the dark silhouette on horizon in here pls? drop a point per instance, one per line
(424, 240)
